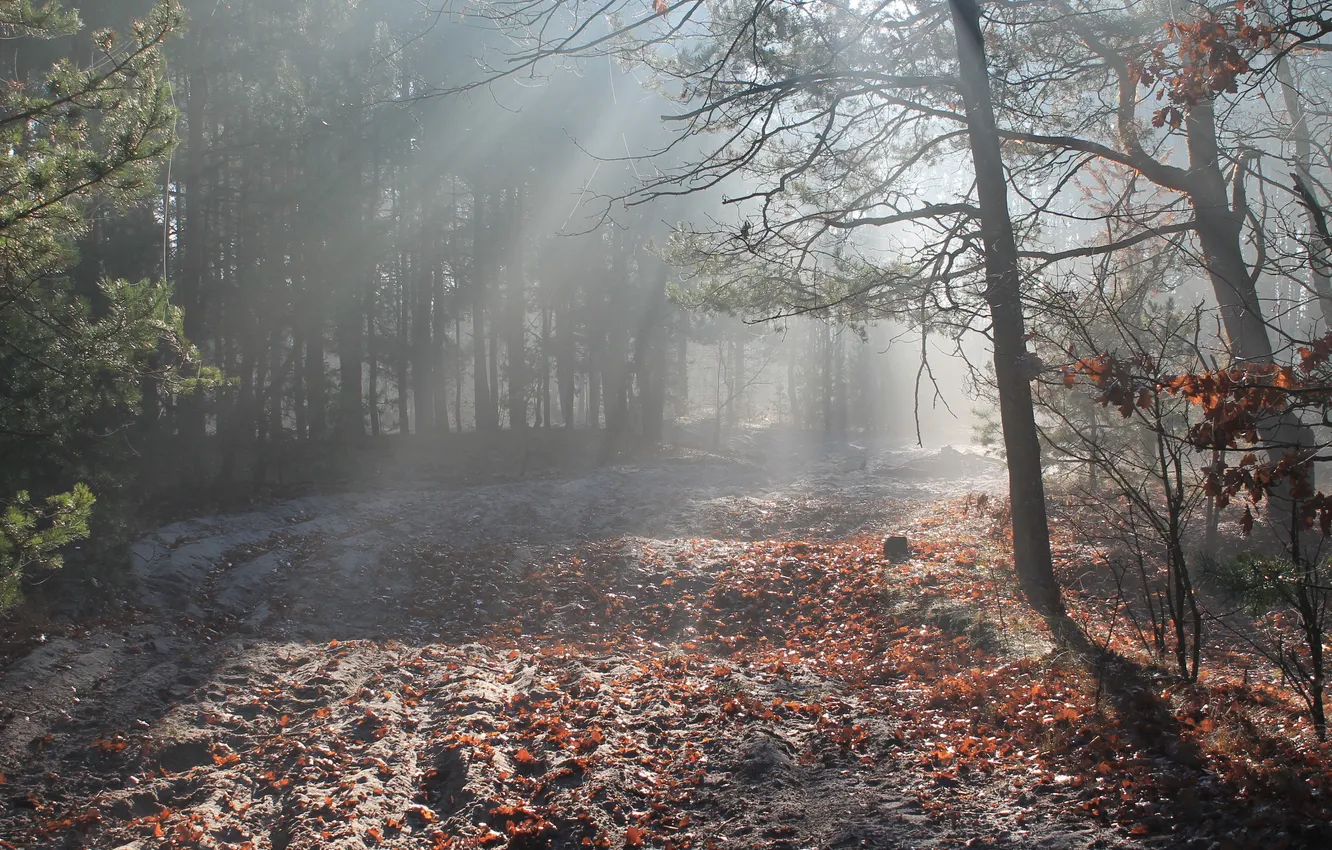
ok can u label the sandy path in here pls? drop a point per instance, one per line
(143, 720)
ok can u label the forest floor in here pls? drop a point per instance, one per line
(689, 650)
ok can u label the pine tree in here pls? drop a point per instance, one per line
(78, 139)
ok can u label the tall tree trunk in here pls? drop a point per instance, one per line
(316, 386)
(544, 397)
(616, 374)
(440, 355)
(839, 383)
(792, 393)
(191, 419)
(278, 364)
(298, 382)
(565, 367)
(736, 384)
(1320, 264)
(351, 357)
(1003, 294)
(825, 350)
(372, 357)
(515, 343)
(592, 414)
(492, 342)
(402, 363)
(681, 407)
(457, 375)
(481, 389)
(423, 358)
(654, 370)
(1220, 221)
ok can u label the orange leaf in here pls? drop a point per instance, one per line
(633, 836)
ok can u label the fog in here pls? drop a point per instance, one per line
(403, 218)
(665, 424)
(382, 242)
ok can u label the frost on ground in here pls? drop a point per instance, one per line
(689, 651)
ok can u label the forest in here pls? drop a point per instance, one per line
(665, 424)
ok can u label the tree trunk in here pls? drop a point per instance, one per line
(316, 393)
(734, 413)
(792, 400)
(594, 359)
(191, 418)
(457, 376)
(655, 371)
(565, 367)
(1031, 534)
(1220, 222)
(402, 363)
(480, 271)
(372, 356)
(298, 383)
(681, 407)
(493, 364)
(544, 398)
(351, 395)
(839, 383)
(515, 337)
(423, 356)
(616, 374)
(278, 366)
(440, 354)
(1319, 262)
(825, 352)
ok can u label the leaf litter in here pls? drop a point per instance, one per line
(773, 683)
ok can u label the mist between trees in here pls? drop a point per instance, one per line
(667, 221)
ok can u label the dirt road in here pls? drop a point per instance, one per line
(521, 664)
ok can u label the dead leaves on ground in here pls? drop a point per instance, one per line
(603, 687)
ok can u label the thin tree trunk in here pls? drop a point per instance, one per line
(298, 383)
(372, 355)
(423, 359)
(515, 336)
(825, 346)
(493, 364)
(351, 395)
(565, 367)
(545, 367)
(192, 415)
(316, 392)
(480, 270)
(654, 370)
(1031, 534)
(440, 354)
(791, 399)
(682, 366)
(592, 417)
(1220, 223)
(839, 383)
(402, 362)
(1319, 262)
(457, 376)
